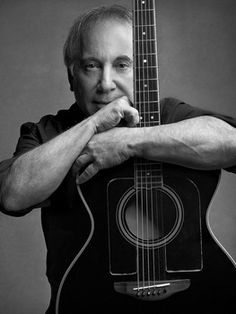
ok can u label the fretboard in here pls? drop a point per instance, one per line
(148, 174)
(146, 89)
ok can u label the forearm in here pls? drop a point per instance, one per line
(201, 143)
(35, 175)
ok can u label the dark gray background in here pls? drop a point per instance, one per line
(197, 64)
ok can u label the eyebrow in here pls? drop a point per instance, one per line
(82, 60)
(122, 57)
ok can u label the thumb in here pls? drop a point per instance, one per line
(87, 174)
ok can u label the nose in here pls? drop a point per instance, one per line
(107, 81)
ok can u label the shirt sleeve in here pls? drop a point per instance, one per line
(30, 138)
(174, 110)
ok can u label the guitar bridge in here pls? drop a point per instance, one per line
(150, 291)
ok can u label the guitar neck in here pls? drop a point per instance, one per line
(146, 87)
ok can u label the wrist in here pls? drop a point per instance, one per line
(135, 140)
(92, 122)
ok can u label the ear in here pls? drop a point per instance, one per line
(71, 79)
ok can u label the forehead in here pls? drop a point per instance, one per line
(107, 37)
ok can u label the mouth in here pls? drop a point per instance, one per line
(101, 102)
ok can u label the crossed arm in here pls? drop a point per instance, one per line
(202, 143)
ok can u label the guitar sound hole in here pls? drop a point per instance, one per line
(149, 217)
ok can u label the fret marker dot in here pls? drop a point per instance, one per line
(141, 118)
(145, 61)
(152, 117)
(145, 85)
(143, 2)
(144, 33)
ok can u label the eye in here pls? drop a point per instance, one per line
(91, 66)
(123, 66)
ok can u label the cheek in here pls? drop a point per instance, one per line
(129, 88)
(84, 85)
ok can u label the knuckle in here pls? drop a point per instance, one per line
(125, 101)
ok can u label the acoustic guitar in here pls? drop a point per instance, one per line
(148, 249)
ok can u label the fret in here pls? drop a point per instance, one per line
(148, 182)
(144, 124)
(147, 163)
(144, 25)
(149, 118)
(145, 180)
(151, 105)
(143, 73)
(145, 48)
(148, 178)
(147, 79)
(144, 17)
(153, 26)
(145, 60)
(143, 5)
(150, 112)
(146, 85)
(146, 67)
(148, 174)
(146, 41)
(153, 113)
(146, 90)
(141, 37)
(145, 33)
(141, 40)
(144, 10)
(147, 54)
(152, 185)
(154, 174)
(146, 97)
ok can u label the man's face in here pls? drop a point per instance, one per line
(105, 72)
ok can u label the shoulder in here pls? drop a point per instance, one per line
(174, 110)
(51, 125)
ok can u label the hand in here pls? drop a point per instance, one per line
(111, 115)
(104, 150)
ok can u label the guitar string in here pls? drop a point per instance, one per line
(156, 198)
(142, 199)
(147, 170)
(140, 168)
(143, 169)
(141, 181)
(162, 249)
(146, 44)
(146, 104)
(136, 50)
(152, 191)
(152, 49)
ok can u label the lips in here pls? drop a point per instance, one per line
(101, 102)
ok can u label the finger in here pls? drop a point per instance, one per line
(130, 114)
(81, 162)
(132, 117)
(87, 174)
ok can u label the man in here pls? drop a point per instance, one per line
(79, 143)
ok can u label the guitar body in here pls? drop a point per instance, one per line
(90, 282)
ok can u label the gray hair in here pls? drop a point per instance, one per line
(72, 47)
